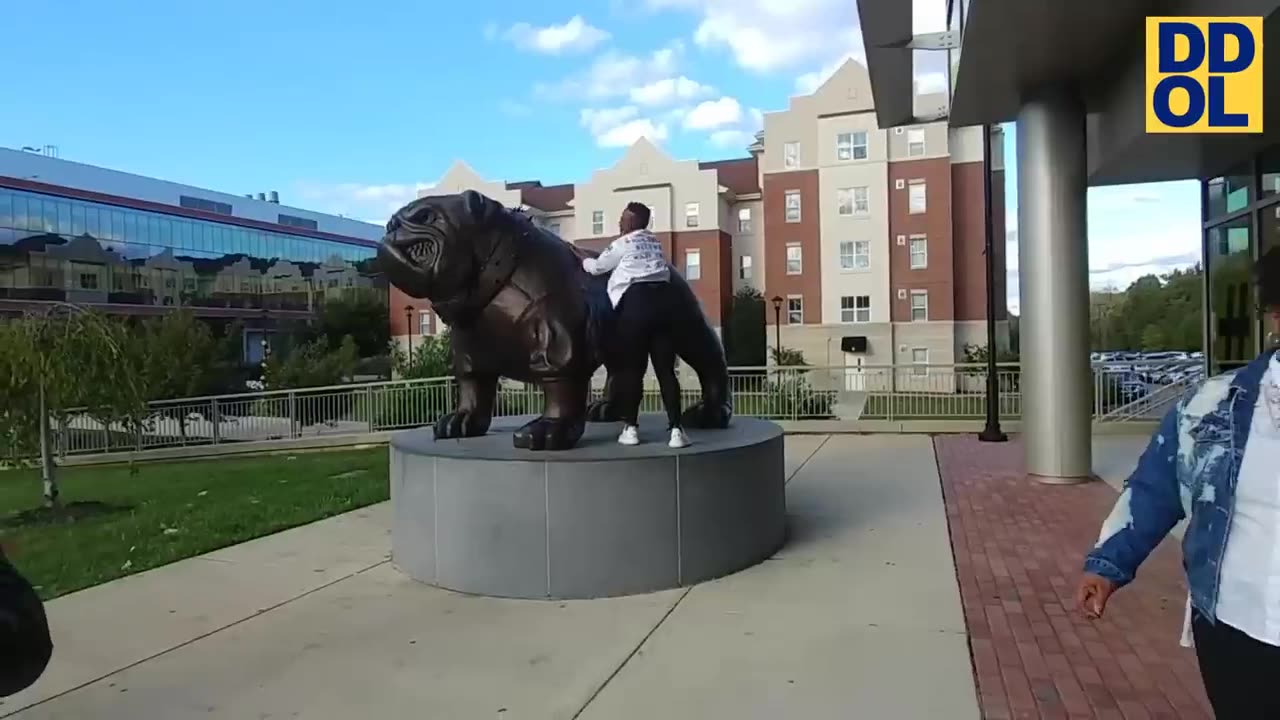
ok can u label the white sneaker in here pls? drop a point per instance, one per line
(630, 435)
(678, 439)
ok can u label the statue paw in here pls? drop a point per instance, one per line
(602, 411)
(546, 433)
(713, 416)
(462, 424)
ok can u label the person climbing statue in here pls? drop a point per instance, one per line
(639, 290)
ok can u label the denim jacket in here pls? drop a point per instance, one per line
(1188, 470)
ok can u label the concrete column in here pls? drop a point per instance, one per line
(1053, 280)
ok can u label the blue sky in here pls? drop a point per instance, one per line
(349, 107)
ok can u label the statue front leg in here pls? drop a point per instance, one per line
(474, 412)
(563, 416)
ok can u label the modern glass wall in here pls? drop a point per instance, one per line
(55, 248)
(1241, 221)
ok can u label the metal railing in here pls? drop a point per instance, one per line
(1121, 392)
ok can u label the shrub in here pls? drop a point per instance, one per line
(432, 357)
(307, 366)
(404, 407)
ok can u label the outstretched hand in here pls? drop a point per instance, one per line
(1092, 595)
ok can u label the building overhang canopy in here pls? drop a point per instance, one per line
(1010, 48)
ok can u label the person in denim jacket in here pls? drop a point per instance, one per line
(25, 645)
(1214, 461)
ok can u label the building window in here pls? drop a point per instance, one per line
(855, 309)
(744, 220)
(792, 206)
(855, 254)
(919, 361)
(795, 310)
(425, 326)
(795, 259)
(853, 201)
(88, 281)
(844, 201)
(917, 197)
(915, 142)
(919, 252)
(691, 211)
(597, 223)
(919, 305)
(744, 267)
(195, 203)
(791, 155)
(851, 145)
(295, 221)
(692, 264)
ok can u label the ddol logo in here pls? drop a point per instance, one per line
(1204, 75)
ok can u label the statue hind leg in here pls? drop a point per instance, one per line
(700, 347)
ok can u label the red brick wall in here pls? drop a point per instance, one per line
(935, 224)
(778, 233)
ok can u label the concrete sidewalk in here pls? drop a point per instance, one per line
(314, 623)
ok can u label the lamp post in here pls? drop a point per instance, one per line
(992, 432)
(777, 328)
(408, 324)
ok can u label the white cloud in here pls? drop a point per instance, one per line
(629, 132)
(767, 35)
(739, 134)
(668, 90)
(357, 200)
(599, 120)
(737, 139)
(714, 114)
(614, 74)
(575, 35)
(621, 126)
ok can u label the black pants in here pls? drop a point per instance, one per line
(1240, 673)
(642, 332)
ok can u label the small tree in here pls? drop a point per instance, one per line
(788, 357)
(431, 358)
(360, 315)
(51, 364)
(977, 354)
(745, 338)
(975, 357)
(312, 364)
(179, 357)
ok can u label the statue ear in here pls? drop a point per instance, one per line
(479, 208)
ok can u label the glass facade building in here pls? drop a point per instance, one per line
(1241, 211)
(58, 244)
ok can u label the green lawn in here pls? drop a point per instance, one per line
(169, 511)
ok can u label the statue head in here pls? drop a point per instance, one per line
(431, 246)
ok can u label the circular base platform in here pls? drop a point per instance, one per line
(480, 516)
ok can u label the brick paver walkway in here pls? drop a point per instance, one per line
(1018, 548)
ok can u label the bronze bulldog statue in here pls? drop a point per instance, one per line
(519, 305)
